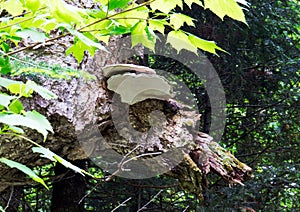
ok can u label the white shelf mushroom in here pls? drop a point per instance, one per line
(138, 86)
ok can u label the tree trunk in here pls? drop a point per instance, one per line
(86, 110)
(68, 191)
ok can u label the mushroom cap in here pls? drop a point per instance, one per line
(135, 88)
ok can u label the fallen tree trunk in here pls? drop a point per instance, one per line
(84, 127)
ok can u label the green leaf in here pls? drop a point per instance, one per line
(13, 7)
(16, 107)
(78, 49)
(45, 25)
(130, 18)
(113, 4)
(243, 2)
(16, 129)
(34, 35)
(158, 25)
(180, 40)
(118, 30)
(177, 20)
(23, 169)
(46, 153)
(20, 89)
(39, 118)
(44, 92)
(87, 41)
(34, 5)
(5, 99)
(226, 7)
(190, 2)
(209, 46)
(142, 34)
(17, 87)
(6, 82)
(5, 47)
(5, 67)
(66, 13)
(165, 5)
(32, 120)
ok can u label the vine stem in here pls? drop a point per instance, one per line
(23, 137)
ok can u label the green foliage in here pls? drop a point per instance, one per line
(260, 76)
(46, 153)
(12, 114)
(226, 7)
(35, 19)
(261, 81)
(24, 169)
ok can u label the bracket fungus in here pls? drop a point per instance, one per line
(111, 70)
(135, 87)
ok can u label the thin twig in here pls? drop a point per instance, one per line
(9, 199)
(122, 204)
(23, 137)
(15, 16)
(35, 44)
(153, 186)
(186, 209)
(120, 164)
(80, 29)
(139, 156)
(88, 193)
(124, 11)
(9, 25)
(144, 207)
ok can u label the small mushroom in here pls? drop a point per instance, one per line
(111, 70)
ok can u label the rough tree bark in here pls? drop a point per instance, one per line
(82, 102)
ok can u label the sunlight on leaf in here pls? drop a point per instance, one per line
(86, 40)
(177, 20)
(24, 169)
(6, 82)
(180, 40)
(20, 89)
(32, 120)
(209, 46)
(158, 25)
(5, 99)
(142, 34)
(16, 129)
(34, 5)
(34, 35)
(44, 92)
(66, 13)
(226, 7)
(130, 18)
(165, 5)
(13, 7)
(16, 107)
(113, 4)
(46, 153)
(190, 2)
